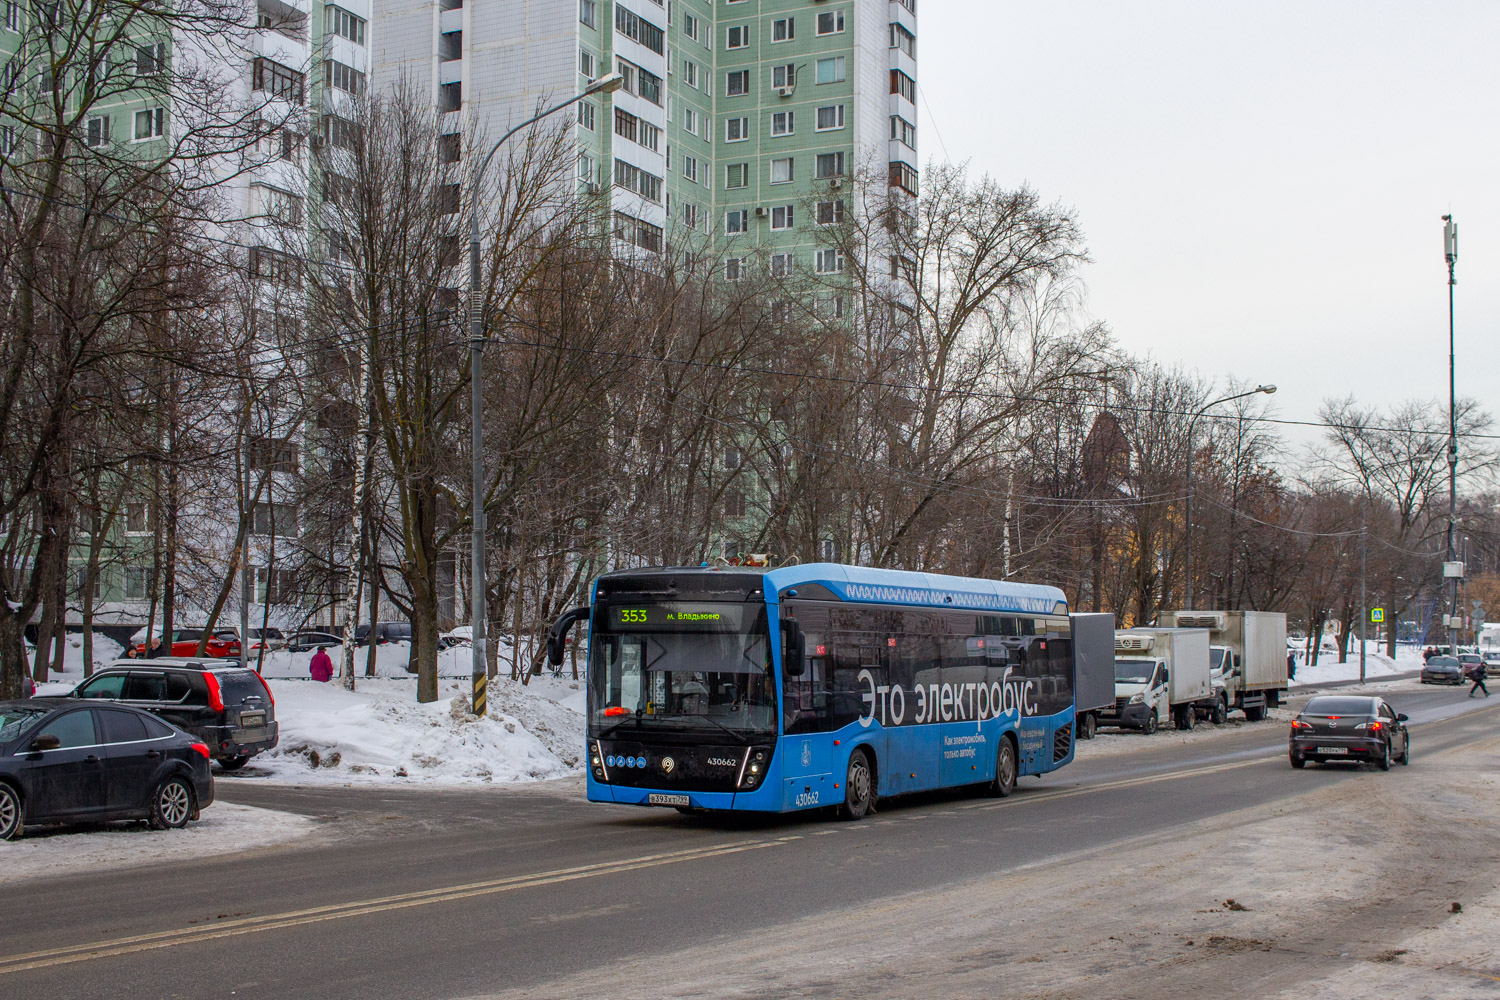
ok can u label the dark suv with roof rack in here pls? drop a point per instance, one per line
(229, 708)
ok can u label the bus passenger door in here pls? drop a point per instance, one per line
(807, 744)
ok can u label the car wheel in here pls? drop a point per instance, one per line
(234, 763)
(1384, 763)
(1405, 757)
(859, 787)
(1298, 762)
(1150, 727)
(1088, 727)
(1220, 713)
(12, 816)
(171, 805)
(1006, 770)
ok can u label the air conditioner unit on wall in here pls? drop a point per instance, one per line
(591, 188)
(835, 184)
(760, 211)
(785, 91)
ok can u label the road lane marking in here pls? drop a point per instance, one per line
(295, 918)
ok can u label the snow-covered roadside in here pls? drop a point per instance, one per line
(225, 828)
(380, 734)
(1377, 664)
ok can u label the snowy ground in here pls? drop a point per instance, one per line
(224, 829)
(1377, 664)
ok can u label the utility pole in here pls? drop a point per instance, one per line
(1450, 253)
(1364, 610)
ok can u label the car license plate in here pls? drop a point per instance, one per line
(252, 720)
(1326, 750)
(664, 799)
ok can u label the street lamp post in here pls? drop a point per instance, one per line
(1192, 424)
(1450, 254)
(606, 84)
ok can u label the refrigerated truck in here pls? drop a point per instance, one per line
(1160, 674)
(1252, 648)
(1094, 666)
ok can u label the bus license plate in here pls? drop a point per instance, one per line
(1326, 750)
(665, 799)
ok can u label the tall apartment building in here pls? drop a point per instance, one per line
(742, 120)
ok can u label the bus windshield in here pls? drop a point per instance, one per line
(681, 667)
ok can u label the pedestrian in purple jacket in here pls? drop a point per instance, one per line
(321, 667)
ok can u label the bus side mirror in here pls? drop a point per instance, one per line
(793, 648)
(557, 639)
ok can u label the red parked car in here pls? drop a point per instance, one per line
(222, 643)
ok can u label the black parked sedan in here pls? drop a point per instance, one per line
(65, 762)
(1443, 670)
(301, 642)
(1338, 727)
(229, 709)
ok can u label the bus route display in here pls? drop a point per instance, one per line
(677, 617)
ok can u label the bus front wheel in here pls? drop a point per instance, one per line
(1006, 770)
(859, 787)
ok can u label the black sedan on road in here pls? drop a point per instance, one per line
(1443, 670)
(1340, 727)
(64, 762)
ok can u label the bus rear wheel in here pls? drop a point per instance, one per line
(1006, 770)
(859, 787)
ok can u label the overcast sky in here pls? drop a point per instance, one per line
(1261, 183)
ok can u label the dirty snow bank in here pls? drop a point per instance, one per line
(380, 734)
(224, 829)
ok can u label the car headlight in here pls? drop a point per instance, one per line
(1138, 699)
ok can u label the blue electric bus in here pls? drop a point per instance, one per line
(819, 685)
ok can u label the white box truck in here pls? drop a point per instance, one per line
(1160, 674)
(1249, 650)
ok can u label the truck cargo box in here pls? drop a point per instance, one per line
(1093, 661)
(1185, 653)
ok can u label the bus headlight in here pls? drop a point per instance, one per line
(596, 762)
(757, 760)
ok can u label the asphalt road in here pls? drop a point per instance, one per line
(410, 893)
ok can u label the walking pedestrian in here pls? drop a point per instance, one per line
(1291, 665)
(321, 667)
(1477, 676)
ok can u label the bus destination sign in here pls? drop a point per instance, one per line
(677, 617)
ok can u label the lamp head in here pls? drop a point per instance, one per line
(606, 84)
(1267, 389)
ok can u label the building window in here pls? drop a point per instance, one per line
(278, 80)
(781, 217)
(588, 12)
(340, 133)
(140, 583)
(831, 164)
(737, 221)
(781, 267)
(903, 131)
(831, 22)
(903, 85)
(273, 266)
(638, 29)
(137, 518)
(643, 133)
(692, 27)
(690, 168)
(282, 207)
(275, 585)
(737, 175)
(150, 59)
(344, 24)
(903, 40)
(648, 85)
(586, 63)
(904, 176)
(690, 120)
(586, 168)
(273, 454)
(737, 83)
(782, 122)
(282, 517)
(633, 178)
(832, 307)
(830, 117)
(690, 73)
(690, 215)
(639, 232)
(737, 36)
(150, 124)
(784, 76)
(13, 15)
(781, 170)
(783, 29)
(831, 70)
(586, 115)
(9, 139)
(98, 131)
(734, 268)
(829, 262)
(830, 213)
(345, 78)
(736, 129)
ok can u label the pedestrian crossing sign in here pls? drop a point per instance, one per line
(1377, 615)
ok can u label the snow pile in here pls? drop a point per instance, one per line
(1377, 664)
(379, 733)
(224, 829)
(106, 650)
